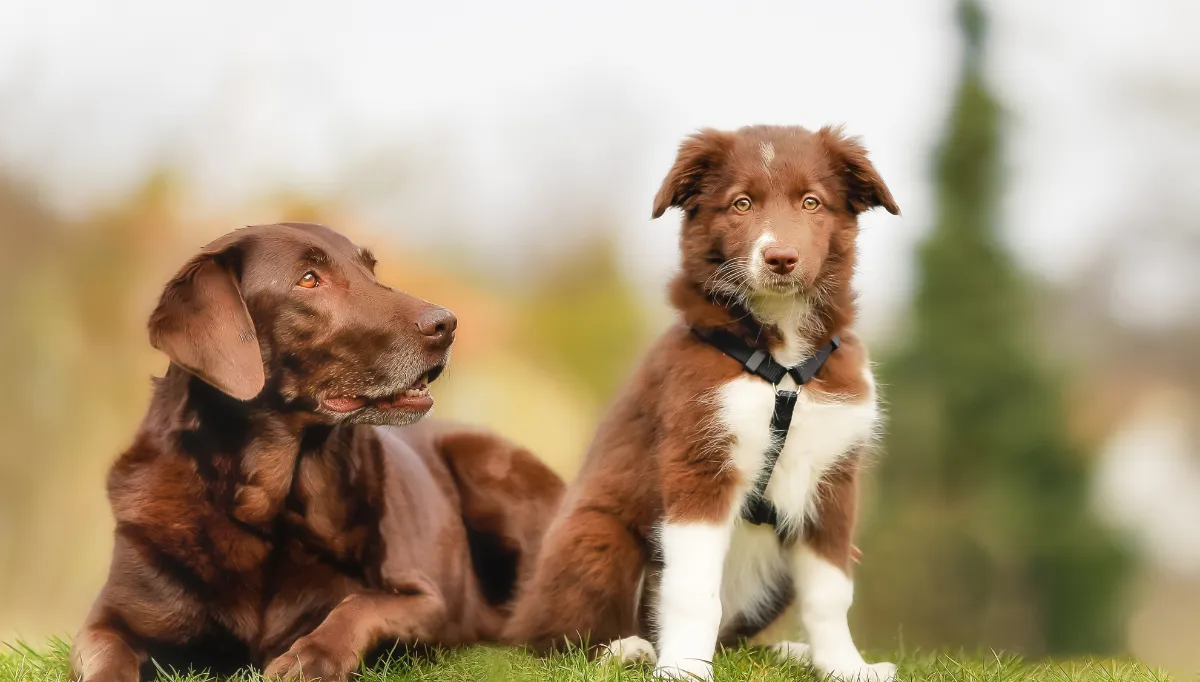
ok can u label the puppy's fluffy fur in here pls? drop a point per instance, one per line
(649, 543)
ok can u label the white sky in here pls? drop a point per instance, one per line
(494, 124)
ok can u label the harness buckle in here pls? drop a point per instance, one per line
(756, 360)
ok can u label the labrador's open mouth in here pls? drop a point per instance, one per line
(413, 398)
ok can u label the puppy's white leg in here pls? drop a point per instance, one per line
(824, 593)
(689, 607)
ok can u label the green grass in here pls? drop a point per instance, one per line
(21, 663)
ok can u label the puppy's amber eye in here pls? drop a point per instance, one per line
(811, 203)
(742, 204)
(309, 281)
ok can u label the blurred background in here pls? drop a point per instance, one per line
(1035, 312)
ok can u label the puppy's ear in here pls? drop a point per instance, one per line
(865, 189)
(202, 324)
(699, 154)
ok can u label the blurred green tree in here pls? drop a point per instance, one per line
(980, 536)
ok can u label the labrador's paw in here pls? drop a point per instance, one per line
(308, 659)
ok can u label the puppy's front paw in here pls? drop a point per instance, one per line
(867, 672)
(628, 650)
(308, 659)
(691, 669)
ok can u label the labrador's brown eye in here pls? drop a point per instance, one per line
(309, 281)
(742, 204)
(811, 203)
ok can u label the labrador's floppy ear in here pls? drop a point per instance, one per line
(699, 154)
(202, 324)
(865, 188)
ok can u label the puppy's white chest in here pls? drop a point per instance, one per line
(822, 432)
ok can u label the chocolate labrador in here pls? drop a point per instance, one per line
(266, 514)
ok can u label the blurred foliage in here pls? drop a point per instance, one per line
(980, 531)
(75, 369)
(584, 319)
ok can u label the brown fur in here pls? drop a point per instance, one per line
(656, 457)
(258, 525)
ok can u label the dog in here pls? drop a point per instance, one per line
(264, 513)
(649, 542)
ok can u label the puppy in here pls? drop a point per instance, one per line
(669, 529)
(265, 515)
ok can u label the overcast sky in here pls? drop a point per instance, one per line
(494, 124)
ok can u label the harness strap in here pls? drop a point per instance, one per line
(758, 509)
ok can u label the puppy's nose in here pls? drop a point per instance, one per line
(781, 259)
(438, 325)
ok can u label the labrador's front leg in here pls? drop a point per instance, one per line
(412, 613)
(102, 654)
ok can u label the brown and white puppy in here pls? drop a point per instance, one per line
(768, 250)
(262, 518)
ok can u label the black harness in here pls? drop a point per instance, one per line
(758, 509)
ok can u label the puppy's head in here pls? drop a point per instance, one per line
(293, 314)
(770, 211)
